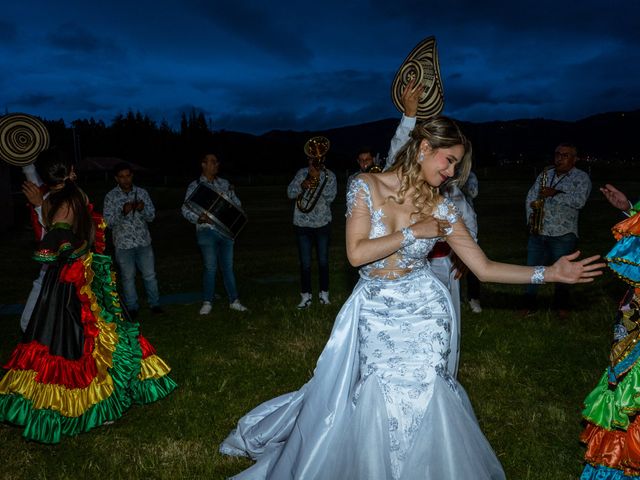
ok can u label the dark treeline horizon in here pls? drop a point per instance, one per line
(136, 138)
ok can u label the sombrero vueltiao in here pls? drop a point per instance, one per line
(421, 63)
(22, 138)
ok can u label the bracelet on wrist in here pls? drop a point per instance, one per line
(407, 237)
(537, 277)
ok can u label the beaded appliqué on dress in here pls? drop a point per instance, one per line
(404, 329)
(410, 257)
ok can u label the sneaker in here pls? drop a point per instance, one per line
(324, 298)
(236, 305)
(205, 309)
(305, 301)
(474, 304)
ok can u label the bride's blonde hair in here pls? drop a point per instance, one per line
(439, 132)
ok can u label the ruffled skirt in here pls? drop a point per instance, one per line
(82, 361)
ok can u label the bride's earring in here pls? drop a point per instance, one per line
(421, 157)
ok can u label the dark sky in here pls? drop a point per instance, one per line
(255, 66)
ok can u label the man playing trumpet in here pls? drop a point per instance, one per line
(313, 188)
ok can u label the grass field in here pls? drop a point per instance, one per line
(525, 376)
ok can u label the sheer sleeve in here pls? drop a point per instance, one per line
(359, 198)
(485, 269)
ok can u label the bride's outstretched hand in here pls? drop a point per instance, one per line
(570, 270)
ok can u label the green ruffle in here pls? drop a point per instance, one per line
(128, 354)
(48, 426)
(611, 409)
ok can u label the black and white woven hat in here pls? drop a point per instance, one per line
(22, 138)
(421, 63)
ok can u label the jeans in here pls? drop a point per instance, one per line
(545, 250)
(216, 248)
(142, 258)
(308, 237)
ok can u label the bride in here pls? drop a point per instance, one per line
(381, 403)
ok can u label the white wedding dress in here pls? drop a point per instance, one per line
(382, 403)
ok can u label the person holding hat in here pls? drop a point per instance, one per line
(22, 139)
(444, 262)
(382, 403)
(82, 361)
(314, 188)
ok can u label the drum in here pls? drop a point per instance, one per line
(227, 216)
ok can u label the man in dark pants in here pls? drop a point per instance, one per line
(560, 192)
(313, 188)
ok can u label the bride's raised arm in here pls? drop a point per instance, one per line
(567, 269)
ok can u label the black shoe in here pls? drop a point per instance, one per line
(157, 310)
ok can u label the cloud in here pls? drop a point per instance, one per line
(71, 37)
(256, 66)
(263, 26)
(8, 32)
(34, 100)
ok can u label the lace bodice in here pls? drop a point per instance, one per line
(408, 258)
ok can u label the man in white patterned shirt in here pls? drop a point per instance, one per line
(313, 227)
(565, 192)
(215, 244)
(128, 209)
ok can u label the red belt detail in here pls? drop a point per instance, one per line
(440, 249)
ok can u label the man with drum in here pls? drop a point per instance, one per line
(313, 188)
(128, 209)
(214, 241)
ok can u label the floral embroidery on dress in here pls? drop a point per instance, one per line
(404, 328)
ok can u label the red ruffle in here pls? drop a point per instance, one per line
(617, 449)
(147, 348)
(75, 273)
(54, 369)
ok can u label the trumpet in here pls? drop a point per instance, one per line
(537, 206)
(374, 168)
(316, 148)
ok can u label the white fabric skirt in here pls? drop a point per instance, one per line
(382, 403)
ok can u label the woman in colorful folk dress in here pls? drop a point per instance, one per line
(82, 361)
(611, 410)
(382, 403)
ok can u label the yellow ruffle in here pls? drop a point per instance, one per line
(153, 367)
(70, 402)
(107, 339)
